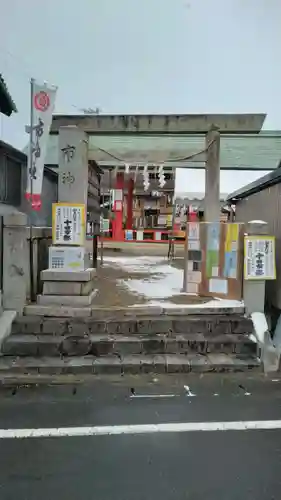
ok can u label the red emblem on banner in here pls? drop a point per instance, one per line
(41, 101)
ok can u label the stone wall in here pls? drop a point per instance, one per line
(16, 260)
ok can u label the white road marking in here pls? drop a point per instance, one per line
(113, 430)
(153, 396)
(188, 391)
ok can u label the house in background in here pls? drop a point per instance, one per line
(10, 160)
(193, 202)
(7, 105)
(261, 200)
(13, 173)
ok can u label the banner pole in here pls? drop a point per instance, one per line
(102, 231)
(30, 173)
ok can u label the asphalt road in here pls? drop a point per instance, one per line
(199, 465)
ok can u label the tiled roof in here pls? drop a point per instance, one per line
(263, 182)
(7, 105)
(8, 148)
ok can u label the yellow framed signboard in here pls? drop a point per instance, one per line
(68, 224)
(259, 258)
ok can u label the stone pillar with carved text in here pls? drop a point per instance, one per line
(69, 279)
(73, 165)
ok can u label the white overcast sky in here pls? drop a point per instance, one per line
(145, 56)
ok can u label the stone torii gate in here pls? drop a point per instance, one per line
(77, 185)
(80, 129)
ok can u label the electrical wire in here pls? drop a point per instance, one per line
(25, 71)
(121, 160)
(168, 160)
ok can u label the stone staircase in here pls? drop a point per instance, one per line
(132, 342)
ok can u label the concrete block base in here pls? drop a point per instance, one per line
(59, 275)
(65, 288)
(68, 287)
(67, 300)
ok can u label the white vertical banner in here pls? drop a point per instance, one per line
(42, 108)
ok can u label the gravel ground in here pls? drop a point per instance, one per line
(113, 291)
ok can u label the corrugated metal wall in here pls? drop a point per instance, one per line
(1, 258)
(266, 205)
(42, 218)
(10, 179)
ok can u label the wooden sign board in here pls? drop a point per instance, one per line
(215, 259)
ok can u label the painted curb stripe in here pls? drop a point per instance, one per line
(113, 430)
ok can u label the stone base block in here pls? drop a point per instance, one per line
(60, 275)
(68, 287)
(66, 300)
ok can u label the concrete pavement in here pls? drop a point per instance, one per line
(195, 465)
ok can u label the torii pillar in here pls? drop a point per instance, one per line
(212, 206)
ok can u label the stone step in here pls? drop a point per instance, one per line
(134, 364)
(120, 345)
(100, 312)
(206, 324)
